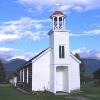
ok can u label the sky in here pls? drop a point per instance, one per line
(24, 25)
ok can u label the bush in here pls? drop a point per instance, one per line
(97, 82)
(42, 93)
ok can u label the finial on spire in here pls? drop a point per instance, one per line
(58, 5)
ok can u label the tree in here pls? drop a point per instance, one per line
(96, 76)
(82, 68)
(2, 72)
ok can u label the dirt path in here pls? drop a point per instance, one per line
(78, 98)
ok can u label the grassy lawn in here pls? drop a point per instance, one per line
(91, 91)
(7, 92)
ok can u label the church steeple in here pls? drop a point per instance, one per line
(58, 20)
(59, 44)
(59, 39)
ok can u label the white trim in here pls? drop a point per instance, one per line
(58, 22)
(41, 55)
(54, 69)
(62, 22)
(23, 75)
(53, 23)
(75, 58)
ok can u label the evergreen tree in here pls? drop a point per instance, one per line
(96, 75)
(2, 72)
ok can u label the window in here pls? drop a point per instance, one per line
(55, 22)
(61, 52)
(60, 22)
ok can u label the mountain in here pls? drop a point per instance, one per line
(10, 66)
(91, 65)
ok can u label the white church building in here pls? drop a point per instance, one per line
(55, 69)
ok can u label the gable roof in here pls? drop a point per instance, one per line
(39, 54)
(30, 61)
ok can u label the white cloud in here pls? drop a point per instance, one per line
(14, 30)
(92, 32)
(7, 53)
(17, 57)
(36, 36)
(8, 37)
(80, 50)
(38, 26)
(77, 34)
(4, 49)
(26, 26)
(27, 56)
(65, 7)
(36, 2)
(12, 53)
(30, 10)
(85, 53)
(78, 8)
(66, 4)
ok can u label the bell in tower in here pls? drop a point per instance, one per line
(58, 19)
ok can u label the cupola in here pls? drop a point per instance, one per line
(58, 19)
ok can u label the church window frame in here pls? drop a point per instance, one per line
(61, 51)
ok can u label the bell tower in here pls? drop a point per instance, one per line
(59, 39)
(58, 19)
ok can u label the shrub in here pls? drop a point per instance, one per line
(42, 93)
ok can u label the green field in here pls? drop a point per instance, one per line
(92, 91)
(7, 92)
(89, 92)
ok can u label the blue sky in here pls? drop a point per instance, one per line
(24, 25)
